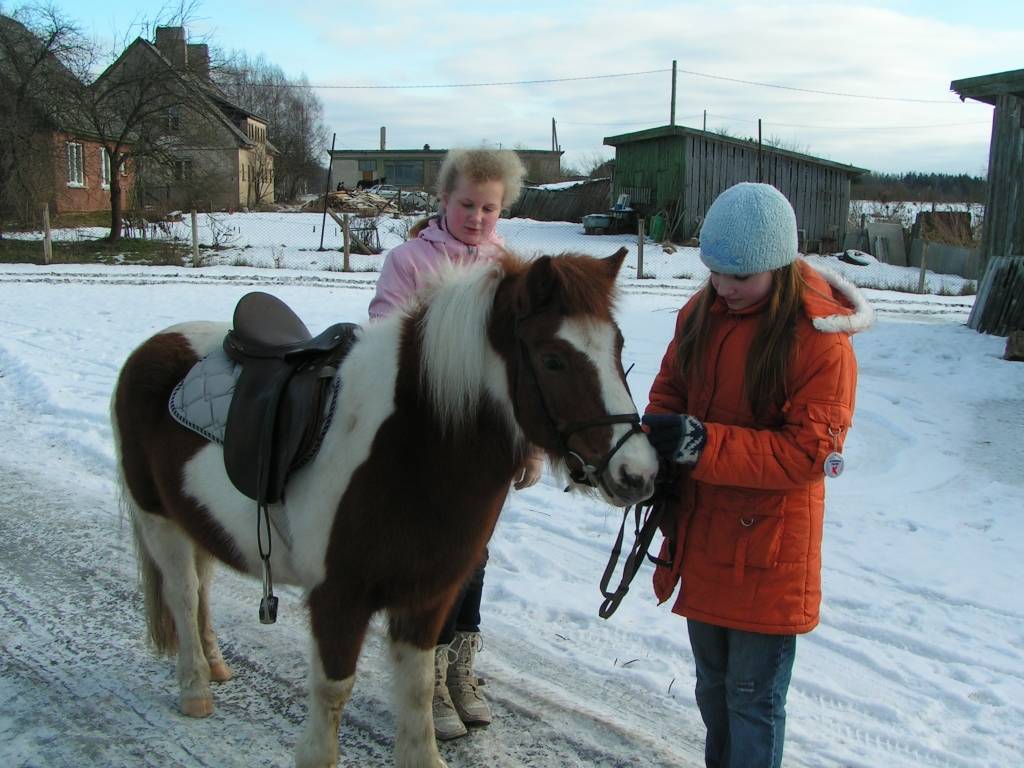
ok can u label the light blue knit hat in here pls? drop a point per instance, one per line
(749, 228)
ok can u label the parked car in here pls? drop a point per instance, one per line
(412, 200)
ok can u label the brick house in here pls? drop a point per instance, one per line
(59, 162)
(81, 174)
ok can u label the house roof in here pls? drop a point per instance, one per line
(213, 98)
(988, 88)
(667, 131)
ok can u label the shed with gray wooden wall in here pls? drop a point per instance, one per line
(999, 306)
(682, 170)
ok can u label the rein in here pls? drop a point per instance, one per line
(646, 517)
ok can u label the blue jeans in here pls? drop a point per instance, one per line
(742, 680)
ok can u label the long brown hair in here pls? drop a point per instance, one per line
(770, 350)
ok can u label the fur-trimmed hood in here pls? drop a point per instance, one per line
(833, 303)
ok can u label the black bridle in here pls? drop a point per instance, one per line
(647, 514)
(584, 473)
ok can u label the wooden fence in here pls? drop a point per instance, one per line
(999, 305)
(570, 204)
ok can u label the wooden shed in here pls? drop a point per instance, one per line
(999, 307)
(680, 171)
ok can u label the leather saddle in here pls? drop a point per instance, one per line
(278, 412)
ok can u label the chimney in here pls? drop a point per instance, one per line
(170, 41)
(198, 55)
(383, 140)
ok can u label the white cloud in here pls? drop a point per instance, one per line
(863, 49)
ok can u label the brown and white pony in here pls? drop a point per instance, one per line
(438, 406)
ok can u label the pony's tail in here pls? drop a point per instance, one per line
(159, 621)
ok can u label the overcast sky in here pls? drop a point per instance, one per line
(892, 60)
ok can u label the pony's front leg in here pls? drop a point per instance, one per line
(338, 632)
(318, 747)
(413, 637)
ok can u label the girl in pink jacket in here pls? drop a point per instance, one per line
(473, 186)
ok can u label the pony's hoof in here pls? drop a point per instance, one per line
(220, 672)
(197, 706)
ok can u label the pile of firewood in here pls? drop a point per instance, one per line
(358, 202)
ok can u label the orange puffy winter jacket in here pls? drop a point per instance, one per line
(749, 520)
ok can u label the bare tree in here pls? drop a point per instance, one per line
(260, 176)
(293, 111)
(142, 110)
(39, 50)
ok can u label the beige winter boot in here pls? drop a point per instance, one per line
(447, 723)
(463, 684)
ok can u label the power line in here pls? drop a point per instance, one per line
(822, 93)
(458, 85)
(769, 123)
(543, 81)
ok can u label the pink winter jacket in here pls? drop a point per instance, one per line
(407, 266)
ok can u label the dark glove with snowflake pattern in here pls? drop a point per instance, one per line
(678, 438)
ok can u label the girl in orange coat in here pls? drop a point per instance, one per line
(752, 404)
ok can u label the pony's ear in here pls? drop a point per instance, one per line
(540, 285)
(612, 264)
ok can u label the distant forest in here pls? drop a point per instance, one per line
(923, 187)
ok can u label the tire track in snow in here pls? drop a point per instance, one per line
(85, 691)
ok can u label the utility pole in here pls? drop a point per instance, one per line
(760, 172)
(672, 116)
(327, 191)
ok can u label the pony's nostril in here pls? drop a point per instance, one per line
(631, 481)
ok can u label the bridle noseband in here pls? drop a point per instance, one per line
(585, 473)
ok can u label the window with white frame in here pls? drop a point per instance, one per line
(104, 168)
(76, 165)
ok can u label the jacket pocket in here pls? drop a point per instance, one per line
(831, 421)
(745, 529)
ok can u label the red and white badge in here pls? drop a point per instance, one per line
(834, 462)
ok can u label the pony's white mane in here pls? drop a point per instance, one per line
(458, 363)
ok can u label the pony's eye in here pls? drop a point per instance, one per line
(553, 363)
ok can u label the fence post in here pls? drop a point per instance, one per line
(924, 259)
(195, 239)
(640, 249)
(346, 243)
(47, 239)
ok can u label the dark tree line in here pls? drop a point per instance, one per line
(923, 187)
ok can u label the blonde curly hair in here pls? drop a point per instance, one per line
(480, 165)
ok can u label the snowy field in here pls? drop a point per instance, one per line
(918, 662)
(292, 241)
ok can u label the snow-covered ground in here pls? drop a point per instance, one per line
(919, 659)
(292, 241)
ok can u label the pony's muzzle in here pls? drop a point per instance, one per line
(630, 475)
(630, 487)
